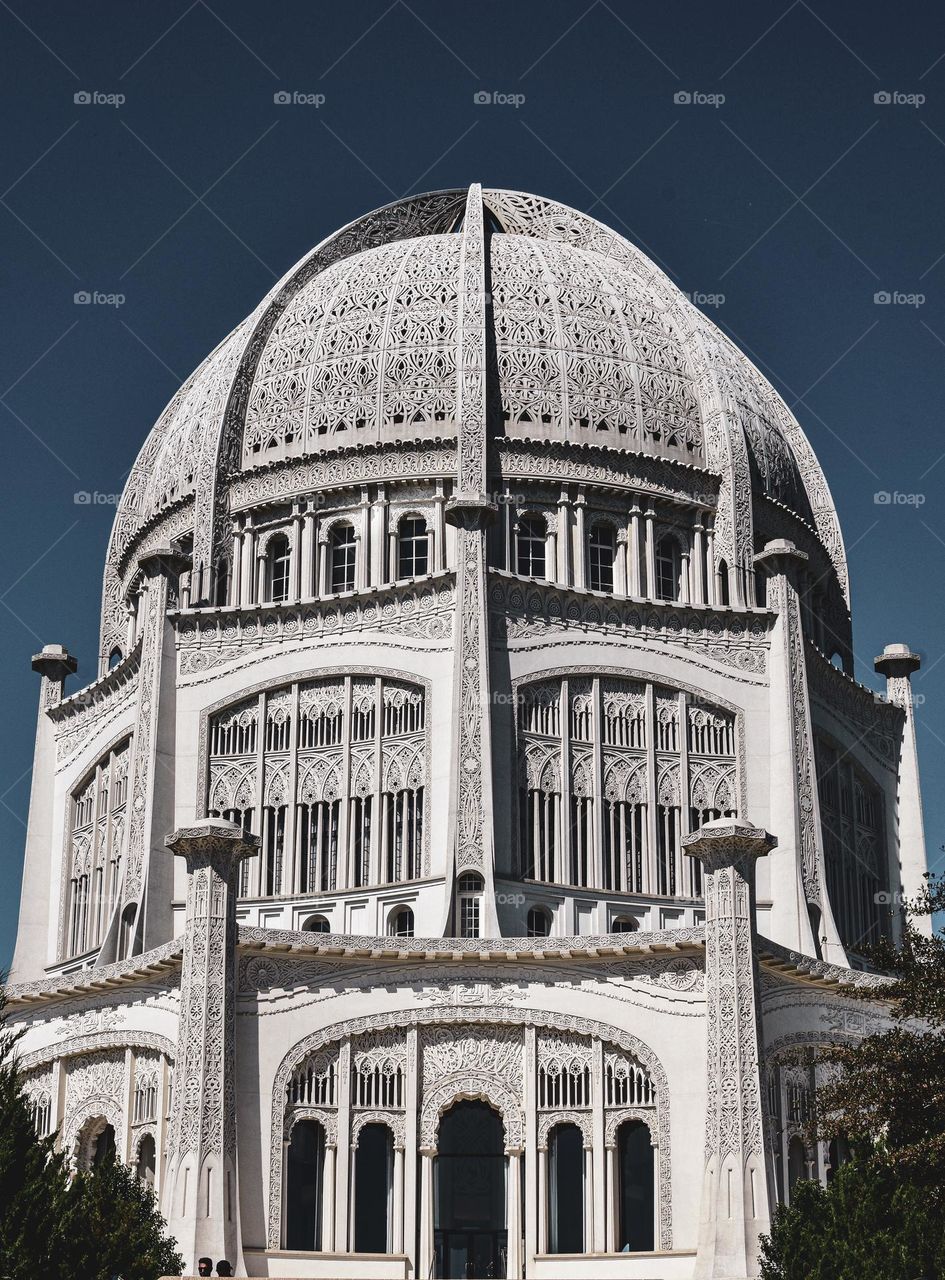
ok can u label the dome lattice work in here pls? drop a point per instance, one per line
(591, 344)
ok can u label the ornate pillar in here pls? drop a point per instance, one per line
(649, 516)
(801, 912)
(898, 664)
(202, 1194)
(38, 893)
(471, 512)
(613, 1207)
(736, 1199)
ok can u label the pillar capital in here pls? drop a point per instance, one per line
(897, 661)
(724, 842)
(471, 510)
(165, 562)
(55, 662)
(212, 835)
(781, 558)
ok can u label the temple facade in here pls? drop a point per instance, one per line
(474, 811)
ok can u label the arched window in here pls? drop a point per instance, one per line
(400, 923)
(538, 924)
(305, 1161)
(624, 924)
(601, 554)
(103, 1147)
(668, 568)
(127, 936)
(277, 568)
(342, 551)
(413, 547)
(530, 547)
(566, 1190)
(723, 583)
(316, 924)
(145, 1164)
(469, 904)
(114, 658)
(373, 1186)
(636, 1199)
(838, 1154)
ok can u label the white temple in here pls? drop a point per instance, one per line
(474, 811)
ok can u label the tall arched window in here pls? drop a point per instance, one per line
(530, 547)
(668, 568)
(316, 924)
(636, 1200)
(373, 1186)
(797, 1163)
(305, 1161)
(342, 554)
(277, 568)
(566, 1190)
(400, 923)
(413, 547)
(601, 554)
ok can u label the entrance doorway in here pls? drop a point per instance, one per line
(470, 1237)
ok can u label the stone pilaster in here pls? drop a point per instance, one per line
(736, 1193)
(201, 1194)
(801, 917)
(32, 938)
(149, 783)
(899, 664)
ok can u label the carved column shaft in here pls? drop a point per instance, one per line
(735, 1195)
(202, 1204)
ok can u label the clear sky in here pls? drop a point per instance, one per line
(742, 146)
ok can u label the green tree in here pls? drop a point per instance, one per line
(882, 1217)
(95, 1226)
(122, 1232)
(868, 1224)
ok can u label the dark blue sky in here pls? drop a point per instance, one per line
(798, 198)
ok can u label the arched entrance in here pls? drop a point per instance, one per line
(470, 1236)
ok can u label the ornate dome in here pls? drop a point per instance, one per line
(590, 344)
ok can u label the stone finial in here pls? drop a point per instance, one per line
(55, 662)
(896, 661)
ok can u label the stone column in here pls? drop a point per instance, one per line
(328, 1200)
(36, 896)
(898, 664)
(736, 1199)
(201, 1190)
(542, 1244)
(426, 1212)
(514, 1217)
(397, 1232)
